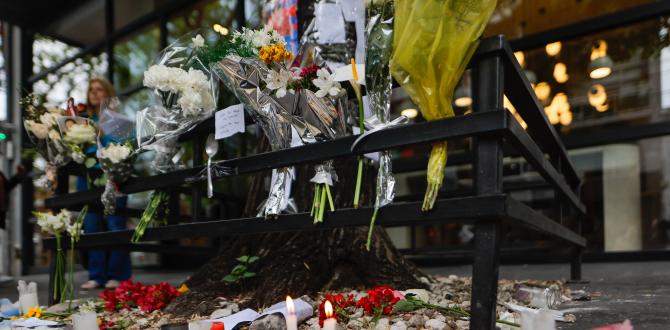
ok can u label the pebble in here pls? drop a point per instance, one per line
(416, 321)
(222, 312)
(382, 324)
(272, 321)
(400, 325)
(435, 324)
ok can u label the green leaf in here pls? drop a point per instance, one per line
(239, 269)
(90, 162)
(253, 259)
(230, 278)
(405, 306)
(244, 259)
(248, 275)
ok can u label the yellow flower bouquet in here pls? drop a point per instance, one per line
(433, 43)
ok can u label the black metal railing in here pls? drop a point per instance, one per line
(488, 206)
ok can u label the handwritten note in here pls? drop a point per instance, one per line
(229, 121)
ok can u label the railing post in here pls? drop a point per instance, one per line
(488, 79)
(197, 187)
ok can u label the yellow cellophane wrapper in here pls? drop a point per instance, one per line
(432, 45)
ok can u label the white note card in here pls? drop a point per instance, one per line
(330, 23)
(229, 121)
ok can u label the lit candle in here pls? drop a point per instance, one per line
(330, 323)
(291, 318)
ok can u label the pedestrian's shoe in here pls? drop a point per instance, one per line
(112, 284)
(90, 285)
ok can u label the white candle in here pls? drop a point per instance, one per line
(84, 321)
(330, 323)
(291, 318)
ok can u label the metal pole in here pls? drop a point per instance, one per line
(488, 96)
(109, 42)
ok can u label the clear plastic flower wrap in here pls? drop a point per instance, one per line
(41, 124)
(116, 151)
(79, 136)
(185, 94)
(314, 40)
(379, 83)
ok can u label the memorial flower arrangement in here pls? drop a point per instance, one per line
(422, 63)
(186, 94)
(378, 302)
(147, 298)
(116, 150)
(258, 68)
(41, 123)
(58, 225)
(79, 136)
(116, 160)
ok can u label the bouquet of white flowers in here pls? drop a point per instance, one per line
(41, 123)
(79, 136)
(115, 150)
(57, 224)
(186, 95)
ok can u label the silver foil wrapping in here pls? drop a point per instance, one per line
(244, 77)
(378, 83)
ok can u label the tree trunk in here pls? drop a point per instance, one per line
(299, 263)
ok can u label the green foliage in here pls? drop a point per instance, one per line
(241, 271)
(224, 47)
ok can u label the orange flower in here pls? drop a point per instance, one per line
(274, 53)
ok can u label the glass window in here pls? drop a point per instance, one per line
(133, 55)
(518, 18)
(613, 77)
(72, 79)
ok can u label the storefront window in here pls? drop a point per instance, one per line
(518, 18)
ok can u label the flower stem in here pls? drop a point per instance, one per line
(372, 225)
(317, 199)
(316, 187)
(359, 179)
(322, 206)
(330, 198)
(361, 126)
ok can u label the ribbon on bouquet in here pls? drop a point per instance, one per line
(373, 124)
(324, 175)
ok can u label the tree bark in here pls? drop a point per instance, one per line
(299, 263)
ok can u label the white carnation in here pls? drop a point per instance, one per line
(163, 78)
(40, 130)
(80, 134)
(116, 153)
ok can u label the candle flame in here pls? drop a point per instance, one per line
(328, 308)
(353, 69)
(289, 305)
